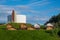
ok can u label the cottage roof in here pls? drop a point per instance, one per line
(49, 24)
(36, 26)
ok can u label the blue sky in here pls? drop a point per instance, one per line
(37, 11)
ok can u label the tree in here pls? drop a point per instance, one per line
(55, 20)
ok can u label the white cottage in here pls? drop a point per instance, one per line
(37, 26)
(49, 26)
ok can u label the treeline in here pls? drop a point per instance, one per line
(55, 20)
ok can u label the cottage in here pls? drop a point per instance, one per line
(30, 28)
(9, 27)
(23, 26)
(49, 26)
(37, 26)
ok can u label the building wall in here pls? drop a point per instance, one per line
(9, 18)
(20, 19)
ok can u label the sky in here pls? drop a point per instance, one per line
(37, 11)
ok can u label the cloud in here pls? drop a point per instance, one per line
(38, 18)
(33, 12)
(20, 8)
(39, 3)
(42, 4)
(24, 7)
(14, 0)
(2, 19)
(57, 9)
(6, 9)
(41, 18)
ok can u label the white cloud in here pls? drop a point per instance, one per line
(24, 7)
(20, 8)
(2, 18)
(41, 18)
(38, 18)
(6, 9)
(57, 9)
(39, 3)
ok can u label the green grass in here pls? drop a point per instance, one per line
(26, 34)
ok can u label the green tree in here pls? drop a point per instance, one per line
(54, 20)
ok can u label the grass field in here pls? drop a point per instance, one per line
(26, 35)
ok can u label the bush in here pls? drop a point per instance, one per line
(53, 32)
(43, 27)
(50, 32)
(58, 33)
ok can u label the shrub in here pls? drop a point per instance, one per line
(58, 33)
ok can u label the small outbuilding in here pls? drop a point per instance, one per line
(23, 26)
(30, 28)
(49, 26)
(10, 27)
(37, 26)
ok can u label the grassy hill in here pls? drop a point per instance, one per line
(26, 34)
